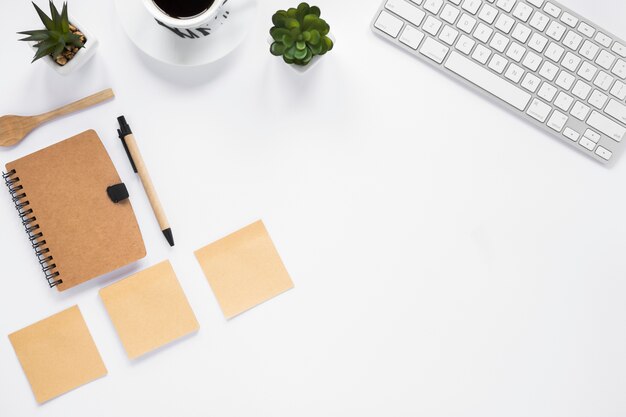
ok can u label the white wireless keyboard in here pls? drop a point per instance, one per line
(547, 63)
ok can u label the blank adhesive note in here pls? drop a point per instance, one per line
(149, 309)
(244, 269)
(58, 354)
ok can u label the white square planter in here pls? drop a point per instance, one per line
(81, 57)
(302, 69)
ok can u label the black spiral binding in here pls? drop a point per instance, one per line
(32, 228)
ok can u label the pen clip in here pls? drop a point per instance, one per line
(122, 132)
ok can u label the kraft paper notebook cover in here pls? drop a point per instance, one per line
(149, 309)
(244, 269)
(78, 233)
(58, 354)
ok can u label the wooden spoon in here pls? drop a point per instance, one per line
(15, 128)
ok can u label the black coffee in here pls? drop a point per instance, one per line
(181, 9)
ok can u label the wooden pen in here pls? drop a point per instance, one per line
(139, 166)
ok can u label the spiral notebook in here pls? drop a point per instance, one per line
(61, 195)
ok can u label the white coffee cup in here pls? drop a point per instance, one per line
(198, 21)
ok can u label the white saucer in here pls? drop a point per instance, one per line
(224, 34)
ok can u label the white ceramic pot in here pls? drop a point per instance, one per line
(300, 68)
(81, 57)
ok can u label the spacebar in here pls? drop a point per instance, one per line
(487, 80)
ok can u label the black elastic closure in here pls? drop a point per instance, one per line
(118, 193)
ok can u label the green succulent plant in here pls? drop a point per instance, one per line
(299, 34)
(57, 35)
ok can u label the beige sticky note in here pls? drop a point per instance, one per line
(244, 269)
(149, 309)
(58, 354)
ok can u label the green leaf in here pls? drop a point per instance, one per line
(316, 49)
(73, 39)
(35, 35)
(300, 53)
(65, 21)
(291, 23)
(292, 13)
(278, 33)
(288, 40)
(279, 18)
(56, 18)
(309, 22)
(300, 45)
(277, 49)
(328, 42)
(290, 52)
(288, 59)
(44, 49)
(47, 22)
(315, 37)
(316, 11)
(306, 36)
(302, 11)
(58, 50)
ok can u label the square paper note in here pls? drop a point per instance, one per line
(244, 269)
(149, 309)
(58, 354)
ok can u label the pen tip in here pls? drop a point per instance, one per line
(169, 236)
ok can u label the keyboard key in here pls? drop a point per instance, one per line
(506, 5)
(581, 90)
(607, 126)
(620, 69)
(571, 134)
(406, 11)
(565, 80)
(488, 14)
(605, 59)
(572, 40)
(571, 61)
(481, 54)
(586, 30)
(466, 23)
(432, 25)
(592, 136)
(536, 3)
(563, 101)
(450, 14)
(557, 121)
(603, 153)
(539, 21)
(471, 6)
(488, 81)
(587, 71)
(465, 44)
(554, 52)
(538, 42)
(619, 49)
(539, 110)
(411, 37)
(532, 61)
(522, 11)
(603, 39)
(569, 20)
(597, 99)
(531, 82)
(498, 63)
(516, 52)
(418, 2)
(552, 9)
(604, 81)
(556, 30)
(521, 33)
(483, 32)
(548, 70)
(504, 23)
(514, 73)
(619, 90)
(587, 143)
(499, 42)
(616, 110)
(433, 6)
(580, 111)
(389, 24)
(434, 50)
(448, 35)
(547, 92)
(589, 50)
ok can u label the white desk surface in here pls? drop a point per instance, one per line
(449, 258)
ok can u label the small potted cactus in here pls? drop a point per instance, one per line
(63, 43)
(300, 36)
